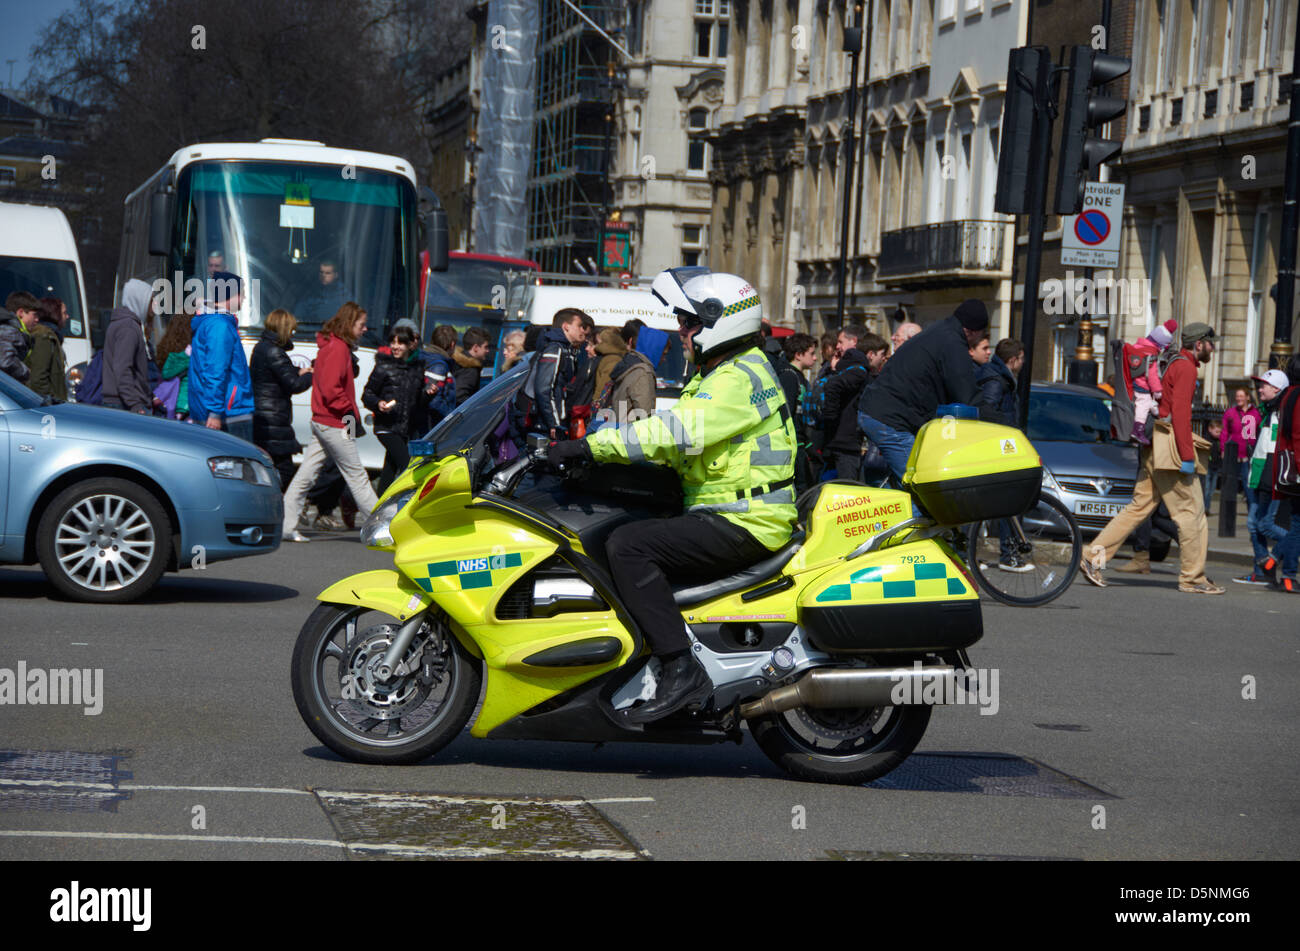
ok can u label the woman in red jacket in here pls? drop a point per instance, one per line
(335, 419)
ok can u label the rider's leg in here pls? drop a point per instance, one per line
(645, 558)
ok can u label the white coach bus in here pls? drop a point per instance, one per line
(285, 215)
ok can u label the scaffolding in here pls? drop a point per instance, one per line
(574, 147)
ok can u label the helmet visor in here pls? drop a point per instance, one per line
(670, 289)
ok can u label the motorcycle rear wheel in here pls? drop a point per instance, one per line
(846, 746)
(402, 720)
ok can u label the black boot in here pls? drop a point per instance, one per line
(682, 682)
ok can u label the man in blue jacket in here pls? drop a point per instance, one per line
(221, 388)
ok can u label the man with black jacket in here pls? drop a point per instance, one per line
(553, 370)
(933, 369)
(859, 364)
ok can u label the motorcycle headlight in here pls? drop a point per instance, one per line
(244, 470)
(375, 533)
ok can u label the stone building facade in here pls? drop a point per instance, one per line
(1204, 159)
(672, 99)
(921, 233)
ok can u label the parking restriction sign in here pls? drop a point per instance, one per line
(1091, 238)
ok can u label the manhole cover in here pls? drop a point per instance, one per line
(992, 774)
(426, 825)
(60, 781)
(846, 855)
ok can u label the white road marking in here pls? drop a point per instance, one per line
(358, 847)
(399, 798)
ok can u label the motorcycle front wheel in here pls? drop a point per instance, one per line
(848, 746)
(405, 718)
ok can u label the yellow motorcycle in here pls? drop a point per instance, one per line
(500, 607)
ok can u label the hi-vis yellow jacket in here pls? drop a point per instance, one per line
(730, 438)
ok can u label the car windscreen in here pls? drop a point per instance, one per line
(42, 277)
(1068, 417)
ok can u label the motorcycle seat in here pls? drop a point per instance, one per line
(770, 567)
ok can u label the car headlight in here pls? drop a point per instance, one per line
(1049, 481)
(243, 470)
(375, 533)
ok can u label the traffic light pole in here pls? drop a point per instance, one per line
(1044, 107)
(1280, 353)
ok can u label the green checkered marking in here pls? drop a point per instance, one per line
(740, 305)
(471, 572)
(898, 585)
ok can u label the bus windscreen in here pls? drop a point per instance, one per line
(311, 236)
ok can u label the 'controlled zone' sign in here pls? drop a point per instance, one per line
(1091, 238)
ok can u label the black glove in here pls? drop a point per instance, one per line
(571, 450)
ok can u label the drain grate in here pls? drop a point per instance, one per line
(61, 781)
(848, 855)
(992, 774)
(426, 825)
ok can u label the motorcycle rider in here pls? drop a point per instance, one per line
(731, 439)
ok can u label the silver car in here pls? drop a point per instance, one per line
(106, 500)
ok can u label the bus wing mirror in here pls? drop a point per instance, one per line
(435, 230)
(161, 205)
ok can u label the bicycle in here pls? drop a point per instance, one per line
(1046, 540)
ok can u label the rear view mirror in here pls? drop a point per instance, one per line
(161, 205)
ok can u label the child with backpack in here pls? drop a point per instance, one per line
(1142, 377)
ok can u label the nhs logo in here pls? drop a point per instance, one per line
(472, 564)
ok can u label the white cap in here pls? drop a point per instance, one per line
(1275, 377)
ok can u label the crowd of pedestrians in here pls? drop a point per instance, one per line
(857, 413)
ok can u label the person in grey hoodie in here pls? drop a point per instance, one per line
(126, 356)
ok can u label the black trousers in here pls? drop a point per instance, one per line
(396, 458)
(647, 557)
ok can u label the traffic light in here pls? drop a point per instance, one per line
(1086, 110)
(1027, 70)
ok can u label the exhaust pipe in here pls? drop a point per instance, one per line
(877, 687)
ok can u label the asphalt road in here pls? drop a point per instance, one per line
(1121, 732)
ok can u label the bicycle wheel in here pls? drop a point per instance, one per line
(1042, 565)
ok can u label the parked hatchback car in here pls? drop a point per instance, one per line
(1089, 472)
(106, 500)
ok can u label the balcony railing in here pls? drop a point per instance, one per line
(942, 250)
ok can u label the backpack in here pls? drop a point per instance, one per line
(1122, 412)
(813, 408)
(90, 389)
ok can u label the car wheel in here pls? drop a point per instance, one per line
(104, 540)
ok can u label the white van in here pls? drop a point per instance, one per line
(38, 255)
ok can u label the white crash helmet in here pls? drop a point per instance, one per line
(726, 305)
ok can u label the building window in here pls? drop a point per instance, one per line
(947, 9)
(1255, 310)
(1211, 103)
(1176, 111)
(697, 148)
(1247, 96)
(1144, 118)
(711, 28)
(635, 19)
(1153, 278)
